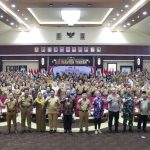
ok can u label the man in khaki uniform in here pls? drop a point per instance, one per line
(26, 102)
(11, 104)
(84, 106)
(53, 105)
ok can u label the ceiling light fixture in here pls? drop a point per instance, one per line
(126, 6)
(70, 16)
(2, 16)
(144, 13)
(9, 11)
(128, 24)
(13, 5)
(133, 9)
(12, 23)
(26, 18)
(117, 14)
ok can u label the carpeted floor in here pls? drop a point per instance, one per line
(74, 141)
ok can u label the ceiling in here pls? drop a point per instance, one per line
(119, 15)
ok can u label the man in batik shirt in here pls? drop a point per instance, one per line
(128, 109)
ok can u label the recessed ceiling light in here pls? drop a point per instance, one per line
(7, 20)
(117, 14)
(128, 24)
(144, 13)
(114, 18)
(133, 20)
(138, 16)
(26, 18)
(124, 26)
(126, 6)
(2, 16)
(18, 10)
(121, 10)
(12, 23)
(13, 5)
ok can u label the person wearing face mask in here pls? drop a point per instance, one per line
(144, 110)
(53, 105)
(98, 104)
(128, 109)
(84, 106)
(26, 103)
(11, 104)
(68, 108)
(114, 107)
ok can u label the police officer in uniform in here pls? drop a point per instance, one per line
(26, 102)
(11, 104)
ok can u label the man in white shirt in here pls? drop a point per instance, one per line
(114, 107)
(144, 109)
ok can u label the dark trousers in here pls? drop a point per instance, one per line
(67, 122)
(111, 116)
(142, 119)
(97, 122)
(128, 117)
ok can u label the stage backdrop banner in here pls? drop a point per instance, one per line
(72, 69)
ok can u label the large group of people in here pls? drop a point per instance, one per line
(21, 92)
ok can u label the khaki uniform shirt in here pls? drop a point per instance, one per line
(11, 105)
(26, 101)
(84, 104)
(53, 104)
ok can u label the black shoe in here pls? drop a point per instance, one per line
(23, 131)
(50, 131)
(29, 131)
(70, 131)
(15, 131)
(130, 129)
(8, 132)
(86, 131)
(124, 129)
(55, 131)
(81, 131)
(144, 130)
(110, 131)
(116, 130)
(65, 131)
